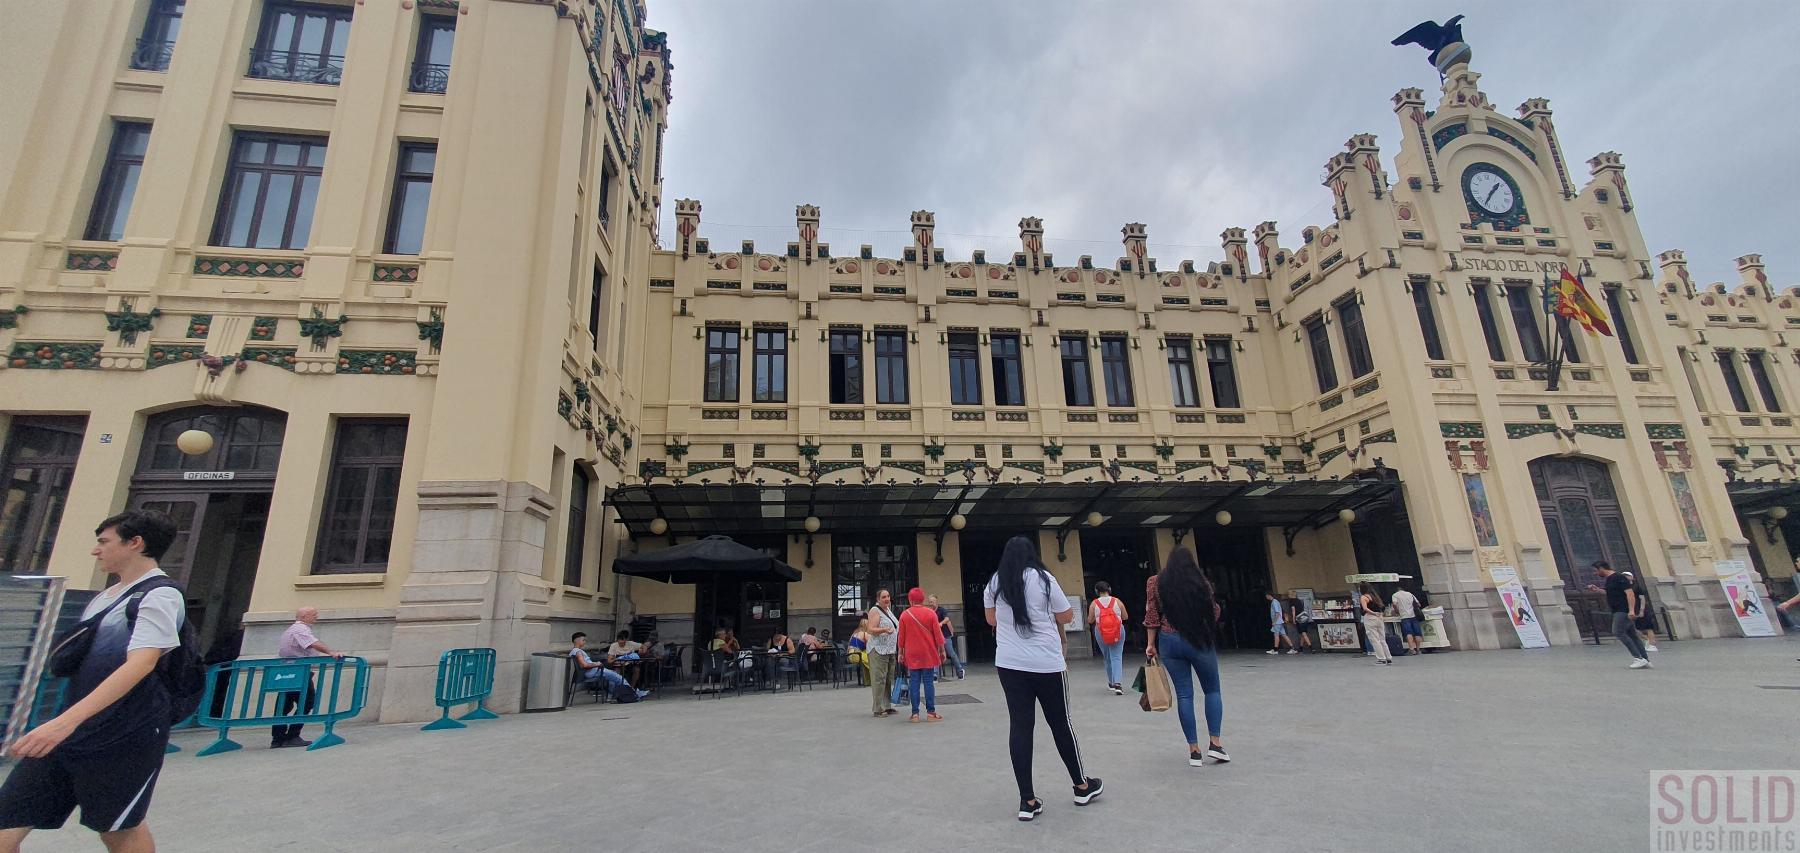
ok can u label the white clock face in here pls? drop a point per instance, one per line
(1490, 191)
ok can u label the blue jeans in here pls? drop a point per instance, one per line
(1114, 656)
(922, 681)
(950, 655)
(1183, 661)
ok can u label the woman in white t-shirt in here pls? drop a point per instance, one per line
(1028, 609)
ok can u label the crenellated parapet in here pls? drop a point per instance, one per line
(1675, 270)
(924, 222)
(1268, 245)
(1031, 243)
(687, 224)
(1535, 114)
(1607, 167)
(1233, 242)
(1136, 257)
(806, 224)
(1355, 170)
(1750, 270)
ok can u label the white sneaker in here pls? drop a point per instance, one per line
(1650, 648)
(1293, 651)
(1271, 652)
(1639, 663)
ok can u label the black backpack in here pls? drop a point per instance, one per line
(623, 693)
(181, 669)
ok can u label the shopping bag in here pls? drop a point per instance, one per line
(1158, 693)
(1137, 683)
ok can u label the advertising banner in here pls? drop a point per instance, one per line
(1740, 592)
(1519, 610)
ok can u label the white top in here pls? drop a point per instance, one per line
(1109, 603)
(1406, 605)
(888, 643)
(624, 648)
(1041, 650)
(160, 612)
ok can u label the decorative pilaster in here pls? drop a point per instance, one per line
(1232, 240)
(1674, 266)
(1750, 268)
(1607, 165)
(1409, 105)
(1268, 244)
(1031, 240)
(1535, 112)
(923, 224)
(806, 221)
(1136, 249)
(687, 223)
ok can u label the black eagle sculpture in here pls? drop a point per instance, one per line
(1433, 36)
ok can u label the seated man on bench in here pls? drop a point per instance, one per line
(595, 674)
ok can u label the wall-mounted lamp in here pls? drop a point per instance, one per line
(1346, 515)
(659, 526)
(1771, 521)
(811, 524)
(1222, 518)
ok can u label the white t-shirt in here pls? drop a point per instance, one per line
(1405, 605)
(1042, 649)
(624, 648)
(160, 612)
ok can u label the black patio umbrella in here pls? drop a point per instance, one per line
(715, 558)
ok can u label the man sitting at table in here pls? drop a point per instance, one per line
(592, 671)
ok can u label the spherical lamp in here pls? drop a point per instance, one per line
(194, 442)
(1094, 519)
(1346, 515)
(811, 524)
(1778, 513)
(958, 522)
(1222, 518)
(659, 526)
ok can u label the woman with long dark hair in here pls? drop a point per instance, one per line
(1028, 609)
(1182, 616)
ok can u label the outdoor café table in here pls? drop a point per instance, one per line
(633, 670)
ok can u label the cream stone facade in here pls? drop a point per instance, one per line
(452, 352)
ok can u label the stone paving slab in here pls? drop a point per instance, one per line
(1504, 750)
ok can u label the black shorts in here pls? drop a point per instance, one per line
(112, 788)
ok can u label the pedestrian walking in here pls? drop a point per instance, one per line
(921, 643)
(1374, 625)
(1621, 599)
(1107, 614)
(949, 630)
(298, 641)
(1027, 609)
(1412, 631)
(1302, 623)
(1643, 619)
(1278, 626)
(1182, 616)
(105, 750)
(883, 646)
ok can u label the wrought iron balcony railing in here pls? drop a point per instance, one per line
(430, 79)
(152, 55)
(296, 67)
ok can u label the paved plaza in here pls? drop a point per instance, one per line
(1501, 750)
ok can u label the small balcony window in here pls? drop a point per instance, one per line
(157, 44)
(431, 59)
(302, 44)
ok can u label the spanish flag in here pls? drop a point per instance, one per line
(1574, 302)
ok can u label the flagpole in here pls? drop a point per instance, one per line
(1554, 364)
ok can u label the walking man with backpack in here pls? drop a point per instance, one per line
(105, 751)
(1107, 615)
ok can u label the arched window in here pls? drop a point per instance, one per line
(246, 442)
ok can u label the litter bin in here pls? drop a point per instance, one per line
(547, 682)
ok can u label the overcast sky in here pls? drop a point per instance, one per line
(1193, 117)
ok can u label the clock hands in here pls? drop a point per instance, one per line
(1490, 195)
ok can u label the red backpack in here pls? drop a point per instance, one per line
(1111, 629)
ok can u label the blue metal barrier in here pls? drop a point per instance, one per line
(254, 690)
(463, 675)
(53, 695)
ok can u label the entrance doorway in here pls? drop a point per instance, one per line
(1124, 561)
(754, 610)
(858, 571)
(219, 501)
(1584, 522)
(1236, 560)
(980, 558)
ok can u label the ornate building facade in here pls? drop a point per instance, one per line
(401, 259)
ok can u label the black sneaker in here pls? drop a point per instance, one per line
(1029, 809)
(1094, 788)
(1217, 753)
(1196, 758)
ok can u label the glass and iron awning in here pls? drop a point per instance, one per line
(701, 509)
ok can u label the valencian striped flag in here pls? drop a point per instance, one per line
(1574, 302)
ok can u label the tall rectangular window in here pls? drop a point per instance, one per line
(1734, 384)
(1115, 368)
(1356, 338)
(431, 57)
(412, 194)
(357, 530)
(35, 474)
(965, 369)
(608, 174)
(118, 181)
(157, 45)
(301, 43)
(1182, 384)
(1693, 379)
(846, 366)
(1078, 385)
(1009, 372)
(1490, 326)
(1765, 384)
(1621, 323)
(1222, 373)
(1525, 313)
(597, 308)
(890, 367)
(270, 187)
(1318, 339)
(769, 367)
(722, 354)
(1428, 325)
(574, 555)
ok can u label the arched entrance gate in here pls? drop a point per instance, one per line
(1584, 522)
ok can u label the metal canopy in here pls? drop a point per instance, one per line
(1749, 496)
(701, 509)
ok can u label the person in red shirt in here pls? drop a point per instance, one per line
(922, 651)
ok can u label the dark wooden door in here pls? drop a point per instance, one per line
(1583, 522)
(860, 569)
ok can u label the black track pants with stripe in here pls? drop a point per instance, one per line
(1024, 692)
